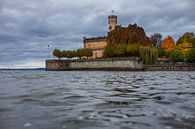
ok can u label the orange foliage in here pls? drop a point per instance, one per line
(168, 44)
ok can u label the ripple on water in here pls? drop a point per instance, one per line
(96, 100)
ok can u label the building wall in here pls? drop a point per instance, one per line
(98, 53)
(97, 45)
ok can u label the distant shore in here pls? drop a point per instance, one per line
(22, 68)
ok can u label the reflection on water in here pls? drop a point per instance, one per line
(96, 100)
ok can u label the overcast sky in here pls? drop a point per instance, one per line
(27, 27)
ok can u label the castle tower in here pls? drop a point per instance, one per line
(112, 22)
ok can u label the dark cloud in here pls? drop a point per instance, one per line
(28, 26)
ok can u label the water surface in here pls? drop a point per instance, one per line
(97, 100)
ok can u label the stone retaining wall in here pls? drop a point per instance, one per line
(176, 67)
(126, 64)
(107, 64)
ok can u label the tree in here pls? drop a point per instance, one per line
(128, 35)
(156, 40)
(57, 53)
(184, 47)
(88, 52)
(161, 52)
(80, 53)
(109, 51)
(168, 44)
(70, 54)
(176, 56)
(188, 36)
(191, 55)
(193, 42)
(148, 55)
(185, 43)
(121, 50)
(133, 50)
(64, 53)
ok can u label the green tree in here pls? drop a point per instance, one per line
(176, 56)
(80, 53)
(161, 52)
(148, 55)
(133, 50)
(88, 52)
(109, 51)
(193, 42)
(70, 54)
(58, 53)
(64, 53)
(191, 55)
(121, 50)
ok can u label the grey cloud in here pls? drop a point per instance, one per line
(28, 26)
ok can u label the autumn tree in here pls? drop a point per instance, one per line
(156, 40)
(188, 36)
(184, 47)
(185, 44)
(168, 44)
(133, 34)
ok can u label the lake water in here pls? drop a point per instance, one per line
(97, 100)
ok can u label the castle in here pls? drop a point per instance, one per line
(98, 44)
